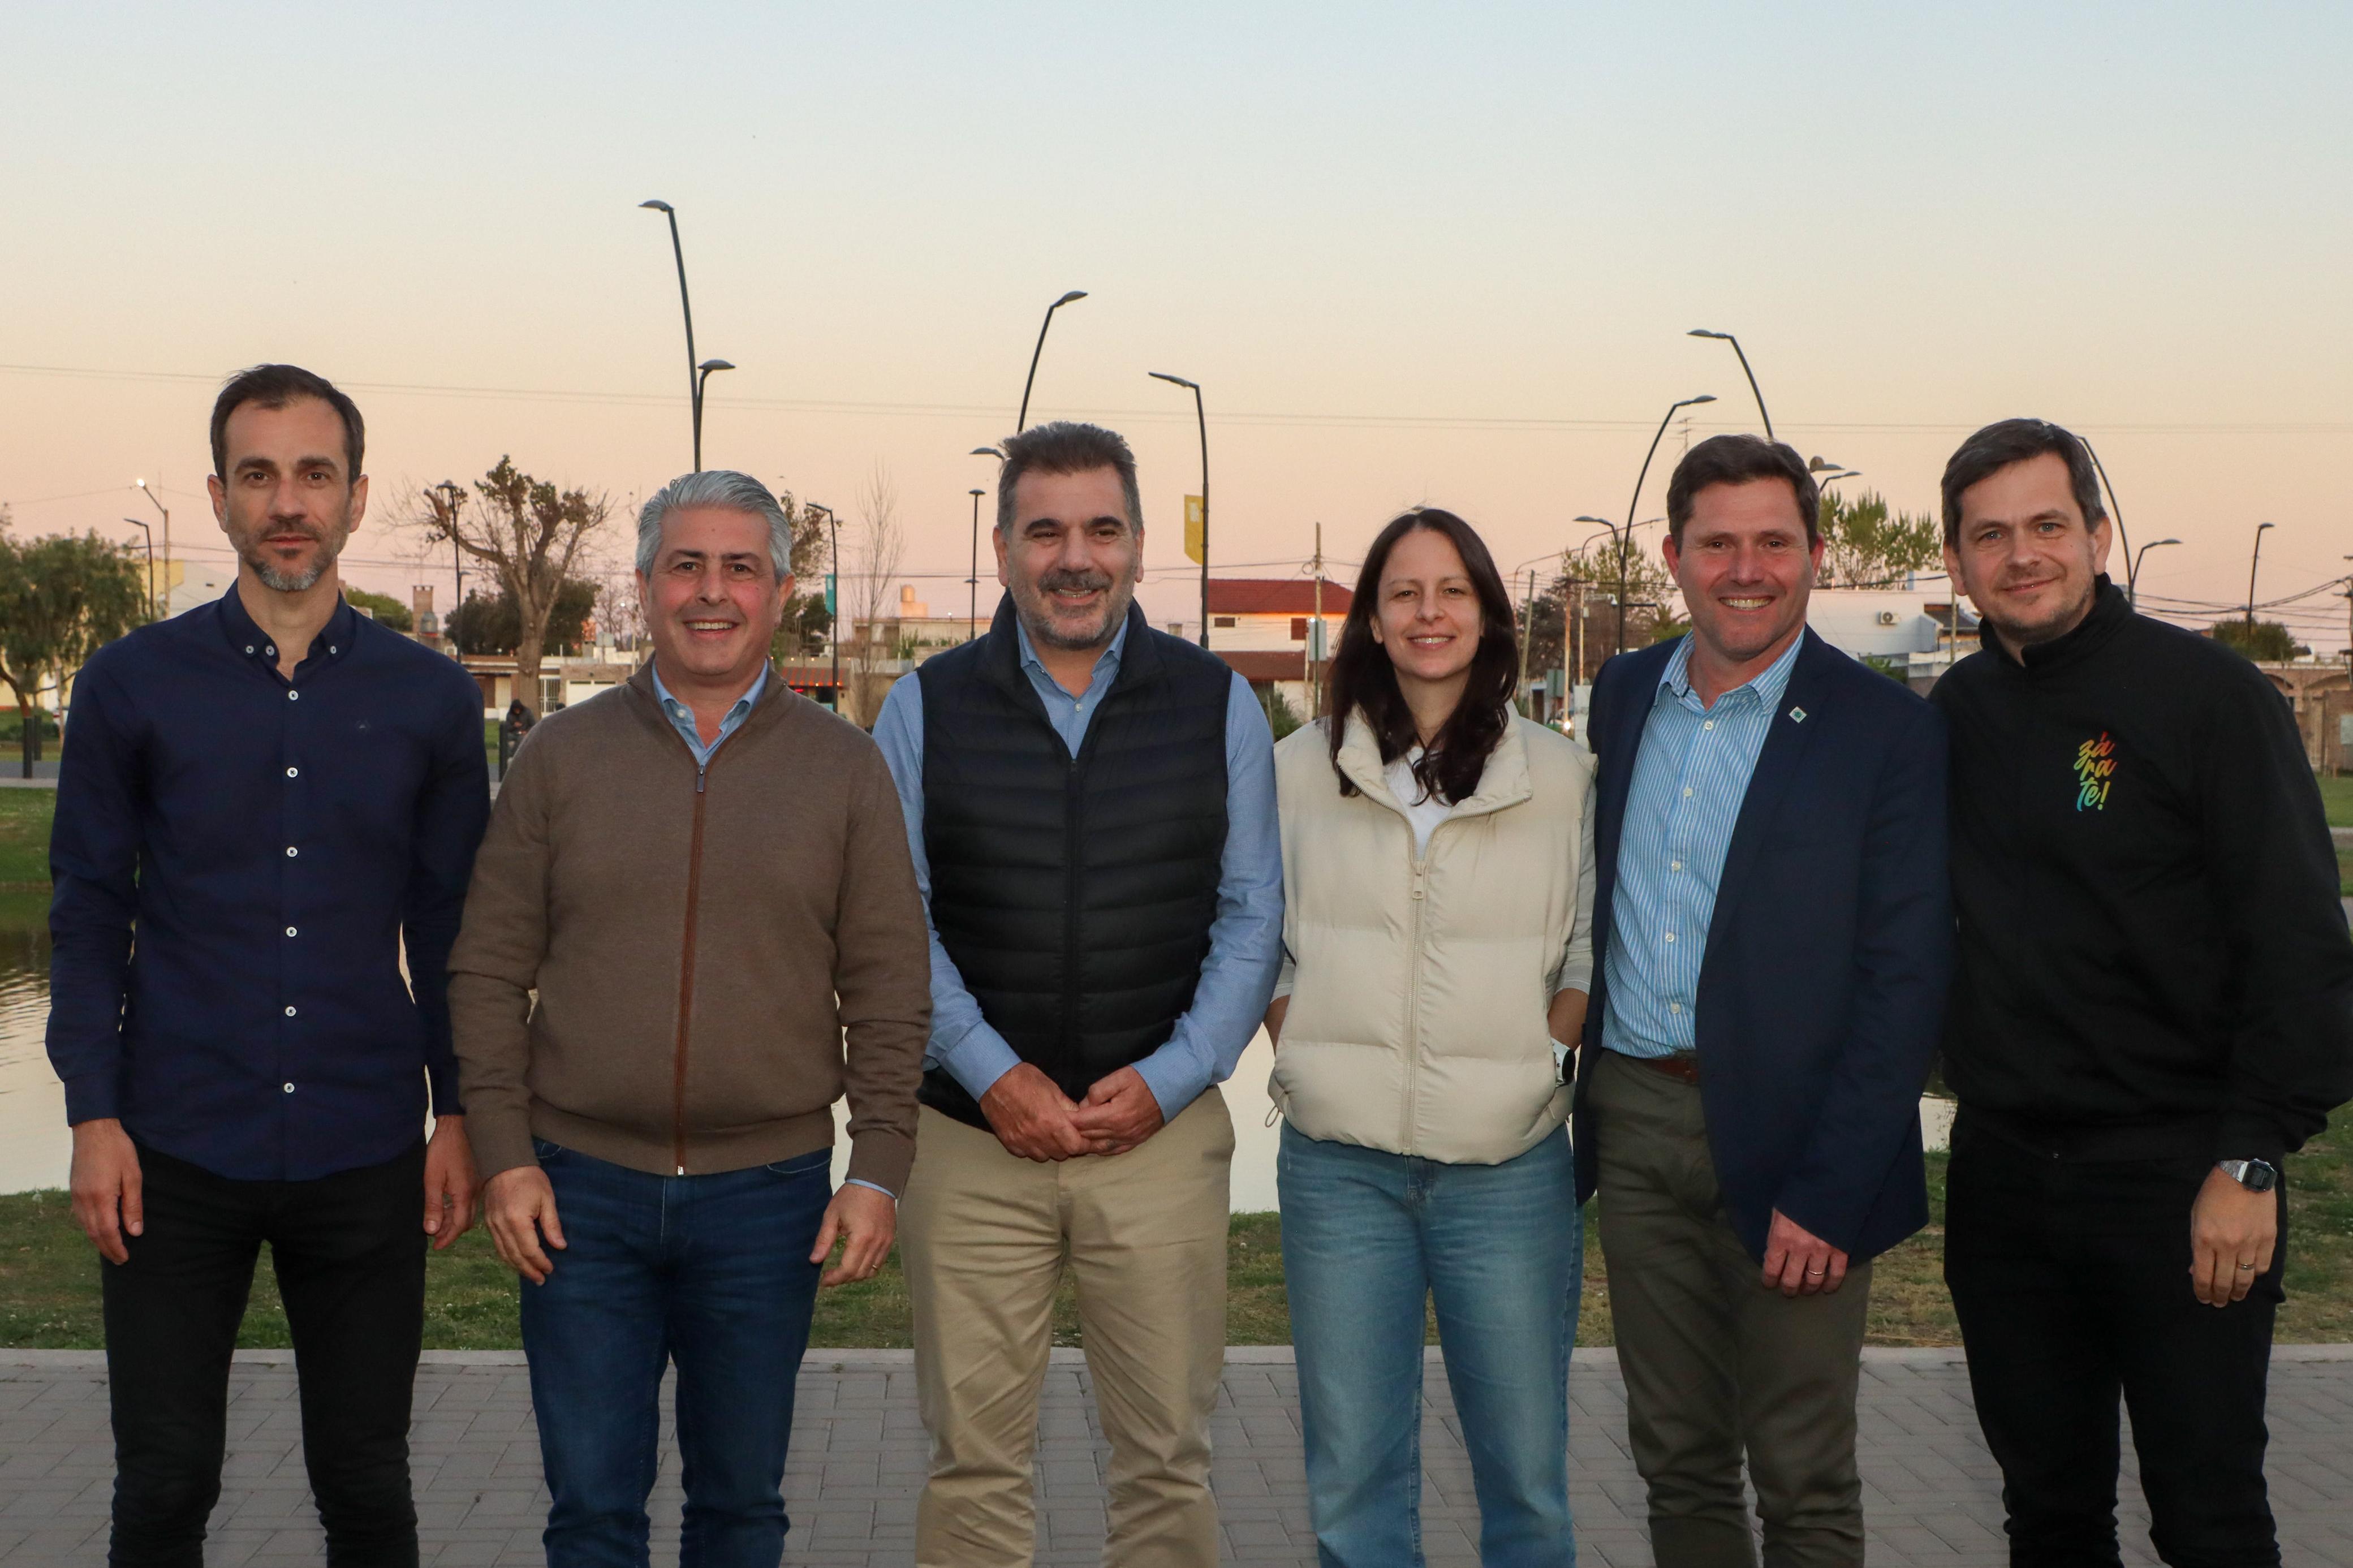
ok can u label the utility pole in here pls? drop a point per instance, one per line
(1531, 636)
(1316, 634)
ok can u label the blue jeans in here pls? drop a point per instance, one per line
(1367, 1238)
(710, 1272)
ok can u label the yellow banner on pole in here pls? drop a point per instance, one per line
(1194, 527)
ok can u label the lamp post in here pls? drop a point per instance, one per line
(693, 372)
(1727, 337)
(2257, 560)
(1626, 538)
(702, 372)
(2132, 578)
(1021, 420)
(1203, 420)
(833, 611)
(147, 529)
(972, 584)
(157, 503)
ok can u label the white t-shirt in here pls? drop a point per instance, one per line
(1424, 812)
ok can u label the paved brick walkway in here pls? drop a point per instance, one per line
(857, 1459)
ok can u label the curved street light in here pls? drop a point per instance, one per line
(149, 529)
(972, 584)
(1626, 537)
(1727, 337)
(157, 503)
(703, 374)
(2132, 578)
(694, 382)
(2258, 560)
(1021, 420)
(1203, 420)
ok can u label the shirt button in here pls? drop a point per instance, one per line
(289, 1011)
(1709, 725)
(271, 651)
(248, 648)
(293, 697)
(1686, 794)
(289, 930)
(330, 648)
(289, 1089)
(1671, 936)
(1674, 1007)
(1674, 865)
(291, 852)
(294, 772)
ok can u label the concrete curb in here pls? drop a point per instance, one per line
(822, 1360)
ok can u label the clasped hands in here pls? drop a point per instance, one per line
(1034, 1119)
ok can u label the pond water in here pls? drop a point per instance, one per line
(36, 1148)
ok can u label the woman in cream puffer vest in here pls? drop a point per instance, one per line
(1438, 888)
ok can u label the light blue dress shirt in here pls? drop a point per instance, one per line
(1245, 940)
(682, 717)
(1689, 779)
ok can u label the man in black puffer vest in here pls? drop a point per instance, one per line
(1090, 805)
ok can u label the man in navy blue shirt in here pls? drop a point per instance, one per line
(276, 796)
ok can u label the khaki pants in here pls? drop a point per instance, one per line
(1716, 1365)
(986, 1237)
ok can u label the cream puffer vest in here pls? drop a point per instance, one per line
(1418, 985)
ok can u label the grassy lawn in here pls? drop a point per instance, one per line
(25, 816)
(48, 1280)
(2336, 797)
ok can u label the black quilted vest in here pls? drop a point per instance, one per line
(1074, 894)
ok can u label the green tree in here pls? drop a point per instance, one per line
(1865, 545)
(2268, 641)
(62, 599)
(531, 534)
(1587, 580)
(490, 623)
(806, 624)
(388, 611)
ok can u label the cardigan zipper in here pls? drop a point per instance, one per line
(686, 978)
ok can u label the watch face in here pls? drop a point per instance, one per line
(2256, 1175)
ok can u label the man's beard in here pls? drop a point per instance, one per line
(256, 555)
(1037, 616)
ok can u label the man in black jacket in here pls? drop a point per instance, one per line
(2150, 1011)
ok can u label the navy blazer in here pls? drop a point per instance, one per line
(1823, 989)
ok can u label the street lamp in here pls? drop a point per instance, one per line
(1203, 419)
(833, 611)
(147, 529)
(693, 376)
(1727, 337)
(702, 372)
(972, 584)
(1021, 420)
(1626, 538)
(157, 503)
(2132, 578)
(2260, 528)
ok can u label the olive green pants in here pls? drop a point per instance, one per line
(1716, 1365)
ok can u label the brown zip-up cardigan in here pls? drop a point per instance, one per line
(704, 944)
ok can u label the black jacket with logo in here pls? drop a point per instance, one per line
(2152, 959)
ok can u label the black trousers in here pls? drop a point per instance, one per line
(349, 1250)
(2071, 1279)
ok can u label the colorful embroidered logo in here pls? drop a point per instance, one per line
(2096, 768)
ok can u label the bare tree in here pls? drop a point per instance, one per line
(529, 533)
(882, 546)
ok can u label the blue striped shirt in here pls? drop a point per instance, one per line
(1690, 778)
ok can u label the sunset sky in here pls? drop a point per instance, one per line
(1413, 253)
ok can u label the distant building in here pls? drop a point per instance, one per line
(1267, 629)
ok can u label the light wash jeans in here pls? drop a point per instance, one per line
(1367, 1238)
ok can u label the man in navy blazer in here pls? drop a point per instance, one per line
(1773, 898)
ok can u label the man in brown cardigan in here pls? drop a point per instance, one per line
(705, 880)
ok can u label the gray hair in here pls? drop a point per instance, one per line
(727, 490)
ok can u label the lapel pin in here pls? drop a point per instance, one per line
(1797, 715)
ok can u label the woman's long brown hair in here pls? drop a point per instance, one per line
(1363, 680)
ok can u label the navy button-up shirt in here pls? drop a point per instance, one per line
(271, 844)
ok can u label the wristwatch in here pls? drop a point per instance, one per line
(2256, 1175)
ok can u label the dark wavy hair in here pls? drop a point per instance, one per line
(1364, 681)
